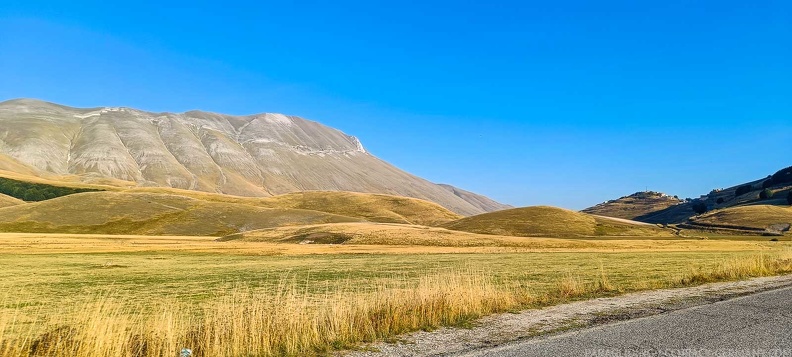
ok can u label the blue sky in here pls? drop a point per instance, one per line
(566, 103)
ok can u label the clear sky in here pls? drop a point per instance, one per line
(565, 102)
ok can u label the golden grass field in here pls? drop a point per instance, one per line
(316, 272)
(99, 295)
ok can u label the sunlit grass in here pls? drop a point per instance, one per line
(224, 303)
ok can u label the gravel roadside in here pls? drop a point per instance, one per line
(504, 328)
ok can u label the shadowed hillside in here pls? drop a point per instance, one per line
(543, 221)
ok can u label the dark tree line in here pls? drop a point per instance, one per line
(28, 191)
(699, 206)
(743, 190)
(783, 176)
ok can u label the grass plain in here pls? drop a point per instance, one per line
(97, 295)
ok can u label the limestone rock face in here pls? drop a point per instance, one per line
(255, 155)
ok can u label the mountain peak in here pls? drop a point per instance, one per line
(254, 155)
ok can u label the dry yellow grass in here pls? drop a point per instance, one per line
(8, 201)
(292, 322)
(346, 236)
(759, 216)
(406, 240)
(371, 207)
(543, 221)
(283, 323)
(159, 211)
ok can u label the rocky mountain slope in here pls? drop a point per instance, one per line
(256, 155)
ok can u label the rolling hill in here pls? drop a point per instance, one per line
(150, 214)
(257, 155)
(388, 234)
(634, 206)
(166, 211)
(543, 221)
(8, 201)
(764, 218)
(371, 207)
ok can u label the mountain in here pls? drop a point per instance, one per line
(486, 204)
(256, 155)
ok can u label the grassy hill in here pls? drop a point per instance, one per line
(8, 201)
(758, 217)
(365, 206)
(634, 206)
(150, 214)
(543, 221)
(390, 234)
(653, 207)
(371, 207)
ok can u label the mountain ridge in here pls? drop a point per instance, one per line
(257, 155)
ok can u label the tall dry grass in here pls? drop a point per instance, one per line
(741, 268)
(291, 321)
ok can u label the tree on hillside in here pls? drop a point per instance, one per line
(29, 191)
(783, 176)
(743, 190)
(699, 207)
(789, 198)
(765, 194)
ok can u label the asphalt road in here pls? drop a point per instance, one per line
(753, 325)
